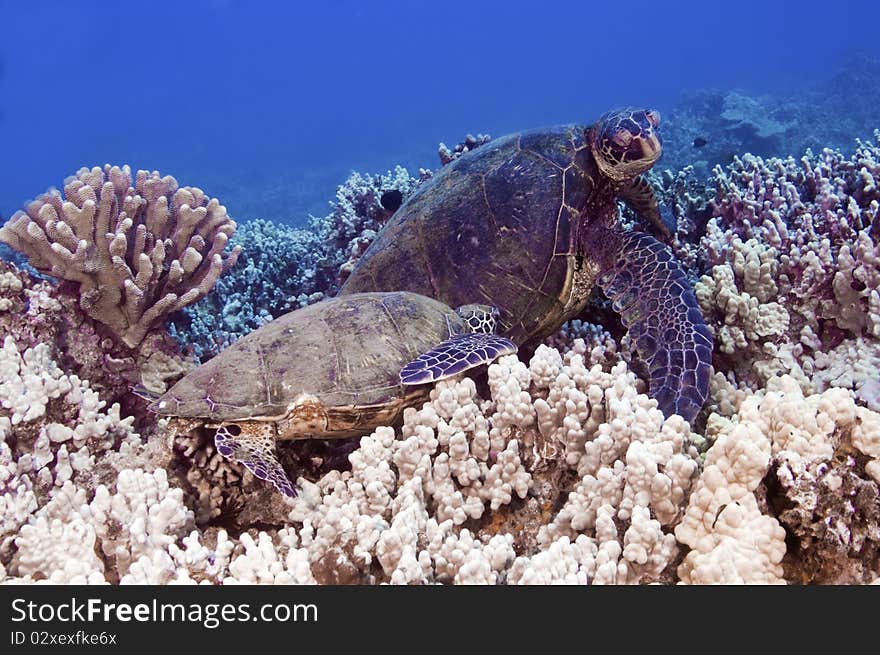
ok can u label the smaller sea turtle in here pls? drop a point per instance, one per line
(338, 368)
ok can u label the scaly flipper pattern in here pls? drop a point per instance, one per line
(651, 293)
(454, 356)
(639, 195)
(256, 453)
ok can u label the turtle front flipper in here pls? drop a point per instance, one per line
(477, 318)
(651, 293)
(454, 356)
(639, 196)
(256, 452)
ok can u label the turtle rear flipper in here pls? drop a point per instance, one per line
(454, 356)
(657, 304)
(257, 453)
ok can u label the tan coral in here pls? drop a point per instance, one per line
(137, 253)
(800, 439)
(739, 292)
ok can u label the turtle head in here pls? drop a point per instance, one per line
(479, 318)
(625, 142)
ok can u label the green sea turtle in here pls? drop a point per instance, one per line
(529, 223)
(338, 368)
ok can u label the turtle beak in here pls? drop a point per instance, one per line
(650, 142)
(651, 147)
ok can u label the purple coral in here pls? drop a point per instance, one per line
(822, 215)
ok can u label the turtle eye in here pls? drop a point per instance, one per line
(622, 138)
(653, 117)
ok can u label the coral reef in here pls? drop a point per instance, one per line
(136, 253)
(55, 434)
(35, 311)
(357, 216)
(792, 253)
(551, 469)
(564, 473)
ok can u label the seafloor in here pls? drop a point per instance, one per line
(551, 467)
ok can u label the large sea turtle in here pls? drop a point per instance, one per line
(338, 368)
(529, 223)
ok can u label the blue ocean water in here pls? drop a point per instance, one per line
(269, 105)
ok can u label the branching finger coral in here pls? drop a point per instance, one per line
(136, 253)
(793, 286)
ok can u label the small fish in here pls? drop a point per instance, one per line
(391, 200)
(699, 142)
